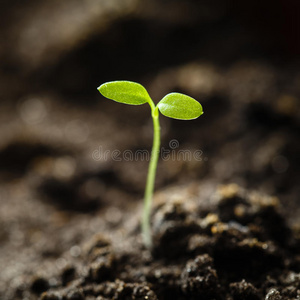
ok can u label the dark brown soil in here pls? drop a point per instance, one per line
(225, 243)
(225, 220)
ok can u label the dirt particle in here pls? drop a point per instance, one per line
(273, 294)
(199, 279)
(229, 191)
(143, 292)
(200, 243)
(75, 295)
(51, 296)
(244, 290)
(102, 268)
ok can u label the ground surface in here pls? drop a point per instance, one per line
(226, 216)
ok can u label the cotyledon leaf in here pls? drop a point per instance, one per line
(180, 106)
(127, 92)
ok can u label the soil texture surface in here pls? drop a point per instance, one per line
(226, 215)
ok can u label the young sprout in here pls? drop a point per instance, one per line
(173, 105)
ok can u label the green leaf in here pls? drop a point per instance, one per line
(180, 106)
(127, 92)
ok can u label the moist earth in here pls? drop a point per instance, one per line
(231, 244)
(226, 214)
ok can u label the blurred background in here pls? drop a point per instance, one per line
(240, 60)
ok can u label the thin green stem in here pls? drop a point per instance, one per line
(151, 177)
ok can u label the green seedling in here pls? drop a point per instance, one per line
(173, 105)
